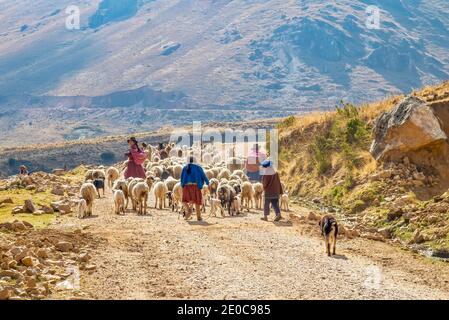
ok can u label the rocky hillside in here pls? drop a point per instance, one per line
(382, 167)
(136, 64)
(38, 262)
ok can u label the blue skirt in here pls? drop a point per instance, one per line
(254, 176)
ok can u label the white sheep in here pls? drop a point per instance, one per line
(170, 183)
(160, 193)
(88, 192)
(238, 173)
(112, 174)
(215, 205)
(258, 192)
(205, 196)
(119, 201)
(94, 174)
(131, 184)
(285, 202)
(247, 195)
(157, 171)
(224, 174)
(236, 205)
(209, 174)
(216, 171)
(98, 174)
(122, 185)
(213, 187)
(82, 209)
(140, 193)
(176, 197)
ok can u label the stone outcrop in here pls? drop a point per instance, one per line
(412, 125)
(418, 131)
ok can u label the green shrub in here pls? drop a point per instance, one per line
(108, 157)
(319, 149)
(347, 134)
(287, 122)
(12, 162)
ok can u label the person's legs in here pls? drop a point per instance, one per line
(277, 209)
(266, 209)
(188, 210)
(198, 212)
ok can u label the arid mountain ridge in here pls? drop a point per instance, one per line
(205, 60)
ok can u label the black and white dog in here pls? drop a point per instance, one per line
(329, 230)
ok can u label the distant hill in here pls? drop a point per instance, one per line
(95, 151)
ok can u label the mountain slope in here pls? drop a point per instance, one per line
(271, 56)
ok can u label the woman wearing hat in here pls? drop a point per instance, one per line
(272, 189)
(252, 164)
(23, 170)
(136, 158)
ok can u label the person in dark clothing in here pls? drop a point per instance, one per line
(272, 189)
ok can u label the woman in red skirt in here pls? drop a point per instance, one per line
(193, 179)
(136, 158)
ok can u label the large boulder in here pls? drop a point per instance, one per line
(411, 126)
(418, 133)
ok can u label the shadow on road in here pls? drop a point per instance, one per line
(340, 257)
(199, 223)
(281, 223)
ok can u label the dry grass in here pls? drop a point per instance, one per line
(298, 133)
(368, 111)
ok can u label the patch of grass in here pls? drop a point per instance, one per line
(76, 175)
(336, 194)
(19, 196)
(356, 206)
(287, 122)
(366, 194)
(347, 135)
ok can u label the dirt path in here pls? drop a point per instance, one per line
(162, 257)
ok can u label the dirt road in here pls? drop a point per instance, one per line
(162, 257)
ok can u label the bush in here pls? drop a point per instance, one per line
(108, 157)
(336, 194)
(287, 122)
(319, 149)
(346, 134)
(12, 162)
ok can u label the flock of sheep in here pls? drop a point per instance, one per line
(229, 188)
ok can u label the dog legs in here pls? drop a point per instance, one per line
(328, 245)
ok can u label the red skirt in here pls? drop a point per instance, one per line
(192, 194)
(134, 171)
